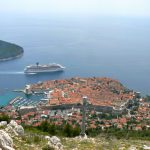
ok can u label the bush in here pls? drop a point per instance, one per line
(76, 131)
(52, 129)
(44, 126)
(36, 139)
(47, 147)
(68, 130)
(5, 117)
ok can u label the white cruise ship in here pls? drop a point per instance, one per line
(33, 69)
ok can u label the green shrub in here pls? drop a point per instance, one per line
(36, 139)
(47, 147)
(5, 117)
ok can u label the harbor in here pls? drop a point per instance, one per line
(22, 97)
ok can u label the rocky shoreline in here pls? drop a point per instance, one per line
(11, 58)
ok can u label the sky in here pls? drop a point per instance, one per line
(79, 7)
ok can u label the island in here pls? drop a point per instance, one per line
(9, 51)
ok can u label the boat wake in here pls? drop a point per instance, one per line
(30, 73)
(11, 72)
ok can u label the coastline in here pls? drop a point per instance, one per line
(11, 58)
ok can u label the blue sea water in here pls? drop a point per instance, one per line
(115, 47)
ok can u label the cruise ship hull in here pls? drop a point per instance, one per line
(43, 69)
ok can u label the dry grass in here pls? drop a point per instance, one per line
(98, 143)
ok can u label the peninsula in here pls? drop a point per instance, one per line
(99, 107)
(9, 51)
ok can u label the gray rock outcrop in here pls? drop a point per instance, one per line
(14, 129)
(145, 147)
(54, 142)
(3, 123)
(9, 131)
(19, 130)
(47, 138)
(6, 142)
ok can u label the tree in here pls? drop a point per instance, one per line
(76, 131)
(52, 129)
(44, 126)
(68, 130)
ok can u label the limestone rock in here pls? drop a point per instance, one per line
(13, 123)
(6, 142)
(19, 129)
(14, 129)
(9, 129)
(59, 146)
(145, 147)
(132, 148)
(47, 138)
(55, 143)
(54, 140)
(3, 123)
(82, 137)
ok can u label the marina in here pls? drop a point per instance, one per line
(20, 101)
(14, 100)
(18, 98)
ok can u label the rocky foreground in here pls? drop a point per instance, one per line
(13, 137)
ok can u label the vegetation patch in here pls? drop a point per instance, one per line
(9, 51)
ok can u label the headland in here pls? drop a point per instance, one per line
(9, 51)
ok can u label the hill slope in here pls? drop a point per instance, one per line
(9, 51)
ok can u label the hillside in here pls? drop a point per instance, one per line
(97, 143)
(14, 137)
(9, 51)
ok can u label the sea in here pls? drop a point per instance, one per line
(88, 46)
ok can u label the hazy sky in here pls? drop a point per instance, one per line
(103, 7)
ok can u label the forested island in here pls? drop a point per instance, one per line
(9, 51)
